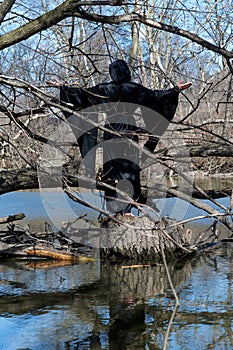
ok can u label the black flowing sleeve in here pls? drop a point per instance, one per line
(82, 98)
(73, 95)
(81, 124)
(160, 103)
(165, 102)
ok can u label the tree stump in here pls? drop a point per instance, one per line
(141, 239)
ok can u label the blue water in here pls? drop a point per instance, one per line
(57, 207)
(30, 203)
(48, 206)
(34, 204)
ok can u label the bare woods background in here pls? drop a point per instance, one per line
(163, 42)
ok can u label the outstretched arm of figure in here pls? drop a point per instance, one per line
(68, 94)
(56, 83)
(172, 93)
(183, 86)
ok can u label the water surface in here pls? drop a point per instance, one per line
(110, 306)
(48, 305)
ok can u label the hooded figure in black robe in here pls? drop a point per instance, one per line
(121, 157)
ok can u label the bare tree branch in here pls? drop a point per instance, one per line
(70, 8)
(5, 7)
(37, 25)
(158, 25)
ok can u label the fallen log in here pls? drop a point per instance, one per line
(27, 178)
(49, 253)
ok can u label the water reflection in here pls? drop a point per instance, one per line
(215, 182)
(105, 306)
(20, 277)
(45, 305)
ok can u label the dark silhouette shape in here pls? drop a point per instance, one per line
(121, 157)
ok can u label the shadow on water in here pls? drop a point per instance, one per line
(113, 306)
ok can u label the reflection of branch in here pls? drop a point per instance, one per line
(165, 343)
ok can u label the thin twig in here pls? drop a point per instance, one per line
(202, 217)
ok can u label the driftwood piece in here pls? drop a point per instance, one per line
(11, 218)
